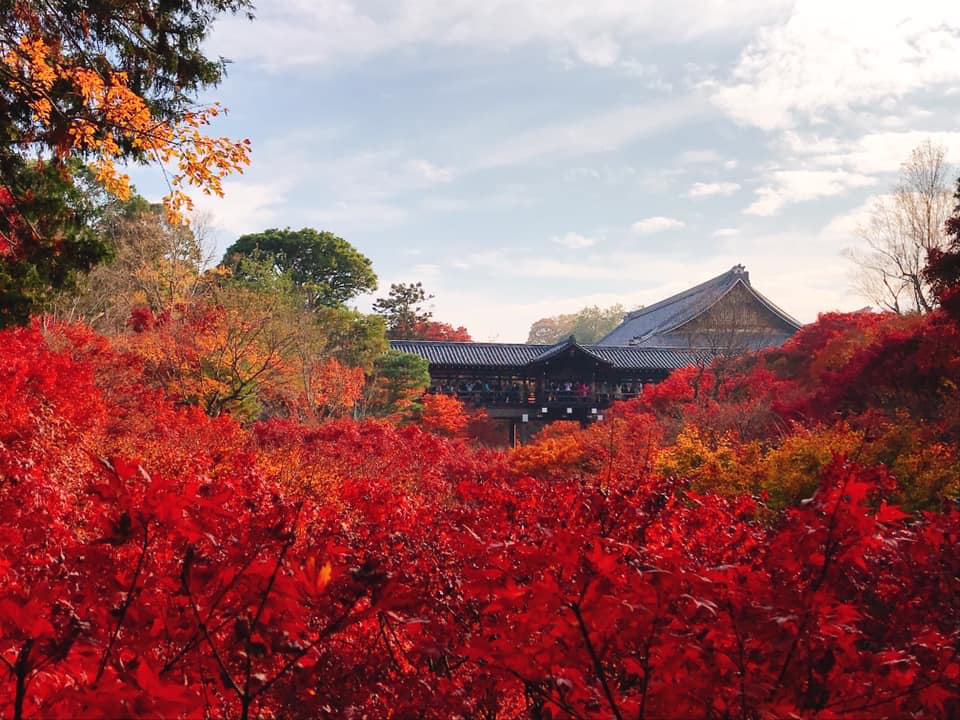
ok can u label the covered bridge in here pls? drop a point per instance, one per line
(528, 385)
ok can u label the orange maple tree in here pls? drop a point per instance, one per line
(81, 107)
(86, 87)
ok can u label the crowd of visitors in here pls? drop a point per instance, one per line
(491, 392)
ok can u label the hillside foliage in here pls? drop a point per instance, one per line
(784, 548)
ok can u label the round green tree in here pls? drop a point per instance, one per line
(325, 267)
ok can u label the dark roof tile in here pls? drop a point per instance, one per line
(641, 342)
(465, 354)
(515, 355)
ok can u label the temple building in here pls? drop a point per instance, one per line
(526, 386)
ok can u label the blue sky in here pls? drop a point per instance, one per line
(530, 157)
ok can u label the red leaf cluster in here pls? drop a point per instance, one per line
(155, 562)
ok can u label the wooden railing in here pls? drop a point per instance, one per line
(545, 398)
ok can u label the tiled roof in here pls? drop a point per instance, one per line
(470, 353)
(632, 357)
(515, 355)
(555, 350)
(643, 341)
(649, 324)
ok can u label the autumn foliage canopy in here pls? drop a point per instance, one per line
(780, 541)
(197, 522)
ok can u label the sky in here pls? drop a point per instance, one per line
(531, 157)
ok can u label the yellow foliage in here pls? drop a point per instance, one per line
(927, 474)
(720, 466)
(926, 471)
(223, 355)
(791, 472)
(333, 389)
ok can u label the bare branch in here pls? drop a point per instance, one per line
(902, 228)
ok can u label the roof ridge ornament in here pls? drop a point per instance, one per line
(740, 271)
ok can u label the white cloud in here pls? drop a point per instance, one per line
(523, 264)
(503, 197)
(430, 172)
(651, 225)
(843, 228)
(609, 174)
(371, 173)
(788, 187)
(350, 216)
(600, 50)
(361, 190)
(575, 241)
(650, 75)
(425, 270)
(706, 157)
(700, 189)
(688, 157)
(246, 207)
(872, 153)
(829, 166)
(485, 259)
(581, 173)
(725, 232)
(328, 32)
(830, 57)
(600, 132)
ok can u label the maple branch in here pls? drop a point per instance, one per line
(830, 547)
(914, 687)
(890, 698)
(185, 582)
(532, 687)
(385, 622)
(597, 665)
(163, 170)
(645, 662)
(124, 606)
(386, 641)
(334, 626)
(21, 670)
(213, 607)
(741, 663)
(248, 665)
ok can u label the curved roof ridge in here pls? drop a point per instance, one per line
(676, 309)
(663, 329)
(570, 342)
(666, 327)
(505, 356)
(684, 294)
(472, 343)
